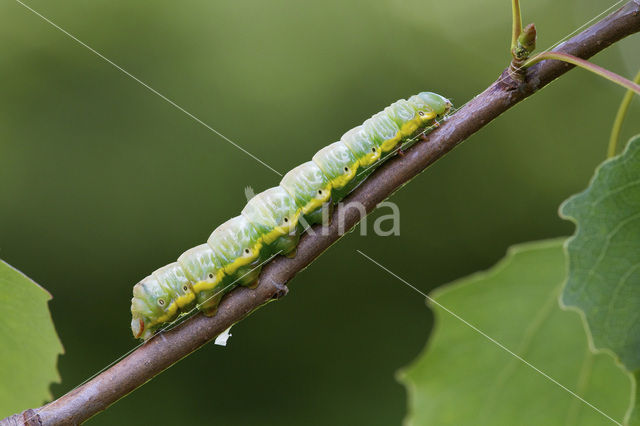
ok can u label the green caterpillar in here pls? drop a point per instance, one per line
(271, 222)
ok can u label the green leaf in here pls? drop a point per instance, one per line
(462, 378)
(604, 257)
(29, 345)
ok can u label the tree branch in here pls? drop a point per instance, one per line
(169, 347)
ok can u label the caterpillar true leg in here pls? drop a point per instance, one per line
(292, 253)
(254, 284)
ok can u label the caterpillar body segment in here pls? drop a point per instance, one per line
(402, 112)
(238, 245)
(340, 166)
(363, 145)
(382, 129)
(204, 268)
(310, 189)
(271, 223)
(276, 214)
(174, 279)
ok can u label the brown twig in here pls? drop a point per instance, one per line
(169, 347)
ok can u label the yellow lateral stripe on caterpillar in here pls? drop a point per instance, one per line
(185, 300)
(201, 286)
(279, 231)
(170, 313)
(231, 268)
(172, 309)
(408, 129)
(340, 181)
(316, 203)
(369, 159)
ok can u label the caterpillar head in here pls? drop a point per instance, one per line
(149, 307)
(438, 104)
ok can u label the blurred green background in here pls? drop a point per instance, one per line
(101, 181)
